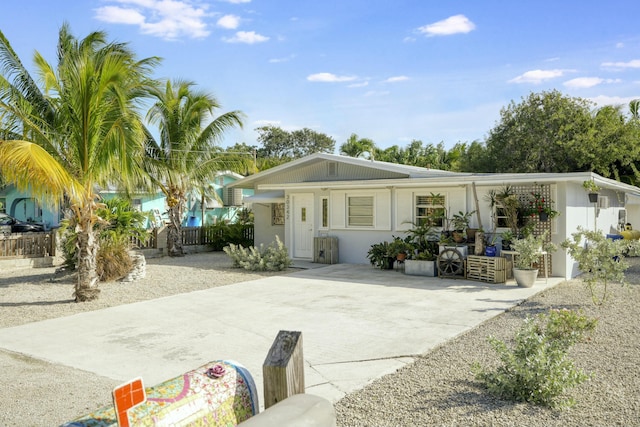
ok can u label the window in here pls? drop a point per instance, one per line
(430, 209)
(3, 205)
(277, 213)
(325, 212)
(501, 217)
(360, 211)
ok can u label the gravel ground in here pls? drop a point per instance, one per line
(437, 390)
(440, 390)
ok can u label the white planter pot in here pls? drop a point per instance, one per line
(414, 267)
(525, 278)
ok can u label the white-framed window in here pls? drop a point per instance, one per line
(277, 213)
(360, 211)
(430, 208)
(501, 217)
(324, 206)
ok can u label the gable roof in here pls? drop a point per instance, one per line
(395, 169)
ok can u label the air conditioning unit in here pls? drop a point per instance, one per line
(232, 196)
(603, 202)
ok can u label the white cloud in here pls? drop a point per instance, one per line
(363, 84)
(168, 19)
(586, 82)
(230, 22)
(619, 45)
(396, 79)
(119, 15)
(603, 100)
(635, 63)
(285, 59)
(453, 25)
(376, 93)
(537, 76)
(248, 37)
(329, 78)
(237, 1)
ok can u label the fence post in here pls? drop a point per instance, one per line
(283, 368)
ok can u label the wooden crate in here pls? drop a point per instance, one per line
(486, 269)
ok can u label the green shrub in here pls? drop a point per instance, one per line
(600, 259)
(274, 257)
(223, 234)
(538, 369)
(113, 261)
(118, 223)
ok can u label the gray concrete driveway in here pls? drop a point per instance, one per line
(358, 323)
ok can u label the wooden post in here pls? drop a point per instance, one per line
(283, 369)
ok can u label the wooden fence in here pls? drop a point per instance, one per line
(33, 245)
(209, 235)
(28, 245)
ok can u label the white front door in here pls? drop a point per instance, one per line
(302, 208)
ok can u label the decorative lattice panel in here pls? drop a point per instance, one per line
(525, 195)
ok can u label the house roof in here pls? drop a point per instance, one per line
(401, 171)
(408, 176)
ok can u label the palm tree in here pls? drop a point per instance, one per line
(185, 155)
(356, 146)
(78, 131)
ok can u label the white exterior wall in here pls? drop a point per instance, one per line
(264, 232)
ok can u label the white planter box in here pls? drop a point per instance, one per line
(414, 267)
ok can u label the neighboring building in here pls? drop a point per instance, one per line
(362, 202)
(223, 205)
(22, 206)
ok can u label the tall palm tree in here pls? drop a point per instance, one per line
(78, 131)
(186, 154)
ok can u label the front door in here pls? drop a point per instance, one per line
(302, 208)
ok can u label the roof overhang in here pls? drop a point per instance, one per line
(267, 197)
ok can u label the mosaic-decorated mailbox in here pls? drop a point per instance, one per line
(220, 393)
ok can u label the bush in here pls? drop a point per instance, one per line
(224, 234)
(600, 259)
(113, 261)
(537, 369)
(274, 257)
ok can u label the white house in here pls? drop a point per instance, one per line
(362, 202)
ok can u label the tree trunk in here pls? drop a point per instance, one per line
(87, 246)
(174, 234)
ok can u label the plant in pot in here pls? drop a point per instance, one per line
(506, 238)
(529, 249)
(459, 223)
(400, 248)
(541, 207)
(592, 188)
(490, 244)
(380, 255)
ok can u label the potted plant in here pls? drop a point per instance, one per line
(490, 244)
(507, 238)
(422, 263)
(380, 255)
(528, 251)
(459, 223)
(399, 248)
(541, 207)
(592, 188)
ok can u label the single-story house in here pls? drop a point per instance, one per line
(21, 205)
(362, 202)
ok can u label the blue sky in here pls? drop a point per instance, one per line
(391, 71)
